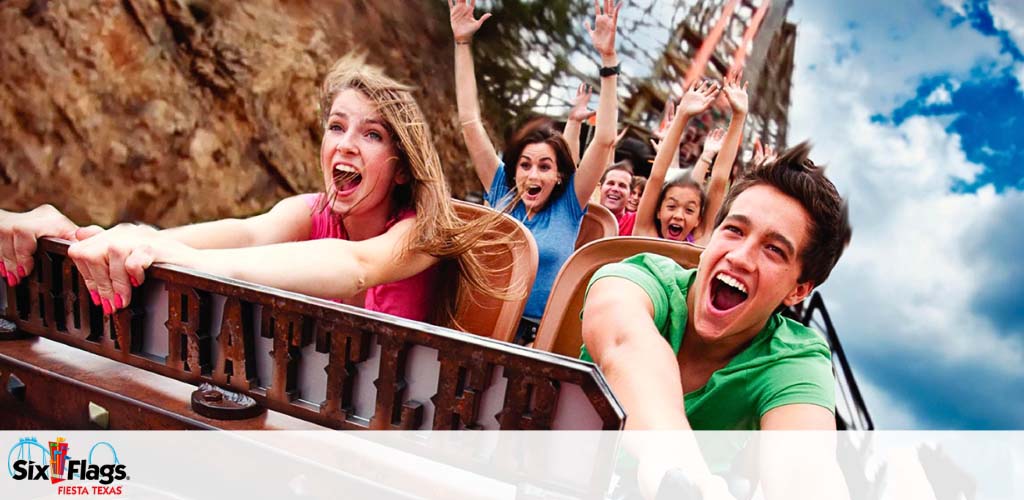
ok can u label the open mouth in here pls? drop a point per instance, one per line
(533, 190)
(346, 178)
(727, 292)
(675, 232)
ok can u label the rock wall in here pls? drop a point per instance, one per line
(173, 111)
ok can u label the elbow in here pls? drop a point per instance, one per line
(600, 332)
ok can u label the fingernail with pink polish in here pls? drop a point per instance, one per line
(118, 303)
(133, 281)
(10, 279)
(3, 269)
(95, 297)
(106, 307)
(21, 272)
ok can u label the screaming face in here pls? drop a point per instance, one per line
(750, 266)
(358, 158)
(536, 175)
(679, 213)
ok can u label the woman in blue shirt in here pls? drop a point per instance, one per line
(536, 178)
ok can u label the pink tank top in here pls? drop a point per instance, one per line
(411, 298)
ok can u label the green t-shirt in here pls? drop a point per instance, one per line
(786, 363)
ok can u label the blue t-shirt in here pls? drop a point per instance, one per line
(555, 229)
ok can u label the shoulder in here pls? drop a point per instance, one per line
(790, 336)
(664, 281)
(798, 368)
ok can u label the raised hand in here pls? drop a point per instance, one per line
(464, 26)
(713, 143)
(736, 94)
(18, 235)
(698, 98)
(622, 134)
(667, 116)
(762, 155)
(606, 19)
(579, 111)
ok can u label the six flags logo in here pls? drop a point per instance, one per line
(56, 465)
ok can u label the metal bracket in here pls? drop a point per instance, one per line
(213, 402)
(9, 331)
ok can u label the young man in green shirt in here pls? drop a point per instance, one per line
(705, 349)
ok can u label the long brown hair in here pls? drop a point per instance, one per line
(439, 232)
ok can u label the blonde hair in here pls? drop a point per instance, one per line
(439, 232)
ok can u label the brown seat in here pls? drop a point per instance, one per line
(559, 330)
(598, 222)
(516, 264)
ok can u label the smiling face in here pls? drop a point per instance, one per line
(615, 190)
(536, 175)
(358, 157)
(679, 213)
(634, 198)
(750, 266)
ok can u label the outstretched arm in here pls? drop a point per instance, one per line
(737, 96)
(602, 147)
(481, 150)
(642, 370)
(696, 100)
(289, 220)
(327, 268)
(577, 115)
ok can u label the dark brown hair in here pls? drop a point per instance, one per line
(538, 130)
(623, 166)
(797, 176)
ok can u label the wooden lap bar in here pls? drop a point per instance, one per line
(317, 361)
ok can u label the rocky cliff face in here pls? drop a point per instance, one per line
(172, 111)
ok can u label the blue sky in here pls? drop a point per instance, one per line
(918, 108)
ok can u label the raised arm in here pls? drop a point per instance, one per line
(327, 268)
(481, 149)
(574, 122)
(712, 145)
(603, 145)
(695, 101)
(737, 96)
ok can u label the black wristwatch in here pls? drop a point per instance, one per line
(606, 71)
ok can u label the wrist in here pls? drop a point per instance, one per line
(609, 60)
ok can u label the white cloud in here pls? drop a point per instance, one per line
(1018, 71)
(905, 286)
(956, 6)
(887, 412)
(940, 96)
(1008, 15)
(887, 56)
